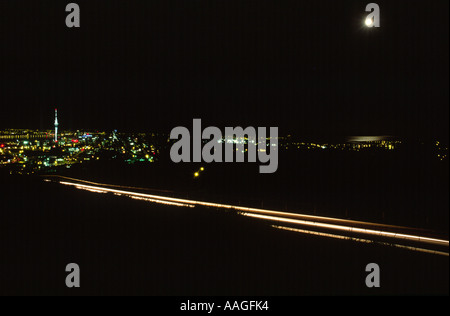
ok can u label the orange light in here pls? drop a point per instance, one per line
(279, 217)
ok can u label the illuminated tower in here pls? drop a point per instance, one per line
(56, 125)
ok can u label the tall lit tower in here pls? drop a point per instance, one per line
(56, 125)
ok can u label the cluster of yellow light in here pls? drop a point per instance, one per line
(197, 173)
(442, 157)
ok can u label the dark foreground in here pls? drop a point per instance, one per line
(127, 247)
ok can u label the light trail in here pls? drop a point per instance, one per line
(161, 202)
(276, 216)
(108, 185)
(368, 241)
(352, 229)
(101, 190)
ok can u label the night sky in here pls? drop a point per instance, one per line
(308, 67)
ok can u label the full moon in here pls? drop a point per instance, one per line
(369, 22)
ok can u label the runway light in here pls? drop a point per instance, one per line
(196, 174)
(202, 169)
(369, 22)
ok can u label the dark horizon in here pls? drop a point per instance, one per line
(308, 68)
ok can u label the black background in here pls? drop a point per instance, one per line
(308, 67)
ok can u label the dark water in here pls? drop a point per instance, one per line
(134, 247)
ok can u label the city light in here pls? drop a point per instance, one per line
(38, 150)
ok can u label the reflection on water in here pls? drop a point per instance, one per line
(362, 139)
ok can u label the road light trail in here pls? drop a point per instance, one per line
(107, 185)
(275, 216)
(351, 229)
(368, 241)
(249, 209)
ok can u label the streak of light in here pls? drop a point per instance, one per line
(161, 202)
(103, 184)
(91, 190)
(352, 229)
(282, 216)
(157, 197)
(82, 187)
(309, 232)
(239, 208)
